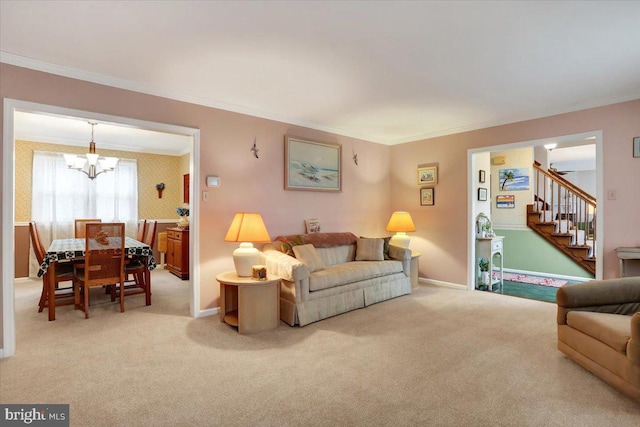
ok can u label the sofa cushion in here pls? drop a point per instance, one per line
(370, 250)
(350, 272)
(385, 248)
(613, 330)
(307, 255)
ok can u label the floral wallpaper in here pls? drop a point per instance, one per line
(152, 169)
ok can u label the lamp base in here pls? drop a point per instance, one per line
(245, 257)
(400, 239)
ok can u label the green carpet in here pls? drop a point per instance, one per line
(525, 290)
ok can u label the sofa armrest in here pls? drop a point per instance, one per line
(633, 347)
(617, 296)
(283, 265)
(401, 254)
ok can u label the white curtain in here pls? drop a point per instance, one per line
(60, 195)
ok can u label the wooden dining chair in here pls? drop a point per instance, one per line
(137, 267)
(64, 273)
(103, 263)
(142, 228)
(80, 225)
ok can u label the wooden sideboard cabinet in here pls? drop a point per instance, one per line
(178, 252)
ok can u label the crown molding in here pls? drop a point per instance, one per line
(74, 73)
(34, 64)
(521, 118)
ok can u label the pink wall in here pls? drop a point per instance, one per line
(441, 234)
(247, 183)
(384, 180)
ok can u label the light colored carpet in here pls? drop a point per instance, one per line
(439, 357)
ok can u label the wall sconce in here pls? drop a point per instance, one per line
(550, 146)
(160, 187)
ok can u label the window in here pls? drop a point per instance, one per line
(60, 195)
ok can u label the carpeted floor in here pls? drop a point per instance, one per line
(438, 357)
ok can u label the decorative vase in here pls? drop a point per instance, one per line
(485, 278)
(184, 222)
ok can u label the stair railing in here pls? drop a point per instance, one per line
(570, 208)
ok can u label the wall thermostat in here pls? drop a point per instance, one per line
(213, 181)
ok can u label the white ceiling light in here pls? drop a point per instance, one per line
(550, 146)
(91, 164)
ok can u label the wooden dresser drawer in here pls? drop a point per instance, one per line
(174, 234)
(496, 244)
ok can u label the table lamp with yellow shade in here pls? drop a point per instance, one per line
(247, 228)
(401, 223)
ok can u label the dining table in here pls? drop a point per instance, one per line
(74, 249)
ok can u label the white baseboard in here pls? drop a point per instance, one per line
(555, 276)
(208, 312)
(443, 284)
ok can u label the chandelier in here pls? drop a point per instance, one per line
(91, 164)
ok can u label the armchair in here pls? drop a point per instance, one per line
(599, 328)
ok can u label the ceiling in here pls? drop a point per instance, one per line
(76, 131)
(388, 72)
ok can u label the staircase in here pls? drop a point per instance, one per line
(565, 216)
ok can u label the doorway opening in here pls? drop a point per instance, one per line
(485, 200)
(8, 206)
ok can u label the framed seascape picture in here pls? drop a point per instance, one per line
(506, 202)
(427, 196)
(428, 175)
(312, 165)
(514, 179)
(482, 194)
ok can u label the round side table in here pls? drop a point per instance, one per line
(249, 304)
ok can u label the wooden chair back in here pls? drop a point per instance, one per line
(150, 233)
(80, 225)
(104, 254)
(142, 228)
(64, 273)
(36, 242)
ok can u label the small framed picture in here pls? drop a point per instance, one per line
(428, 175)
(506, 202)
(482, 194)
(482, 177)
(312, 225)
(636, 146)
(427, 196)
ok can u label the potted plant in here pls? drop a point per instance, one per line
(183, 213)
(484, 270)
(486, 229)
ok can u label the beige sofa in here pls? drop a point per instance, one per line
(599, 328)
(334, 273)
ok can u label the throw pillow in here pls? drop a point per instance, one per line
(288, 242)
(308, 256)
(385, 248)
(370, 250)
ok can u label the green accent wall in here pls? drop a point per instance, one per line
(526, 250)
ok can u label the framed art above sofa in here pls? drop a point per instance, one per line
(312, 165)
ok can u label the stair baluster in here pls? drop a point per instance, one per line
(565, 215)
